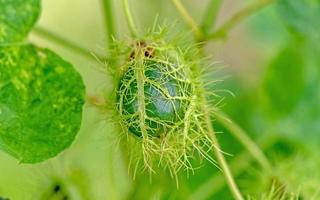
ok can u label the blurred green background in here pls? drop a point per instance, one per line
(271, 62)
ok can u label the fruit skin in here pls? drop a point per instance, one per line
(161, 89)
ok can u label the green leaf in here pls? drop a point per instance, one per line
(41, 100)
(284, 80)
(17, 17)
(301, 16)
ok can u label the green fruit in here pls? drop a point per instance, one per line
(167, 94)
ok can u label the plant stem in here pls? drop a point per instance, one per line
(188, 19)
(223, 164)
(246, 141)
(237, 18)
(210, 15)
(67, 43)
(237, 165)
(109, 24)
(218, 153)
(130, 20)
(216, 182)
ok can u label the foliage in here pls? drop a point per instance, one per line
(161, 106)
(41, 95)
(284, 80)
(301, 17)
(17, 17)
(41, 103)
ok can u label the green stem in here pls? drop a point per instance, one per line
(246, 141)
(216, 182)
(210, 15)
(188, 19)
(218, 153)
(42, 32)
(223, 164)
(109, 23)
(237, 18)
(130, 20)
(237, 165)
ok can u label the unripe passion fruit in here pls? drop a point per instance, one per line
(166, 92)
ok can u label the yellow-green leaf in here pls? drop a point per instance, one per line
(41, 100)
(284, 81)
(17, 17)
